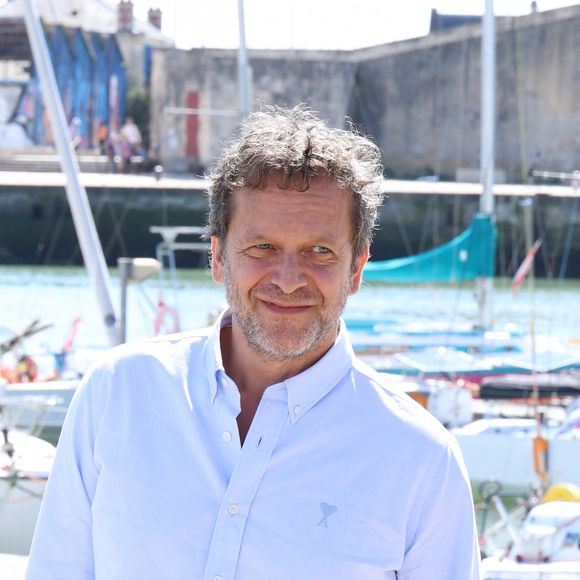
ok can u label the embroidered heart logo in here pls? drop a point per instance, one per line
(327, 510)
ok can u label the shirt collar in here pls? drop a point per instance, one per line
(311, 385)
(305, 389)
(214, 360)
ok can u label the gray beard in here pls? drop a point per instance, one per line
(271, 343)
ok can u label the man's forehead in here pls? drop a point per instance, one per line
(276, 185)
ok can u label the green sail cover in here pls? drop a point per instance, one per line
(470, 255)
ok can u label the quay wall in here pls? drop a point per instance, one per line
(36, 226)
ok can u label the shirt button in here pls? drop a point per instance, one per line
(227, 436)
(297, 410)
(233, 509)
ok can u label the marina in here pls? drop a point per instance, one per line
(447, 317)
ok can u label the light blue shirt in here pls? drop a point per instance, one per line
(340, 476)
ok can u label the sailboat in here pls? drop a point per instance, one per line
(25, 463)
(469, 256)
(543, 546)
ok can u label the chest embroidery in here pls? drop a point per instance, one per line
(327, 510)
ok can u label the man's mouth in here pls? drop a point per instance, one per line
(285, 307)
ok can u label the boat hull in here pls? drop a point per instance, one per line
(25, 462)
(19, 507)
(508, 458)
(496, 569)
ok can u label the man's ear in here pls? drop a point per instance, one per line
(217, 262)
(356, 276)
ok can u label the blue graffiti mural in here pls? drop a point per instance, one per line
(92, 81)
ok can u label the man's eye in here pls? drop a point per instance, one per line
(263, 246)
(320, 250)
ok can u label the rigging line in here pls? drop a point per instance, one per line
(428, 219)
(568, 243)
(352, 71)
(393, 203)
(436, 158)
(559, 234)
(516, 241)
(360, 104)
(62, 214)
(117, 233)
(521, 105)
(500, 252)
(462, 89)
(538, 222)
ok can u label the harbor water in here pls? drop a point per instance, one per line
(61, 295)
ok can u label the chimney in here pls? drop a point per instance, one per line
(125, 16)
(154, 17)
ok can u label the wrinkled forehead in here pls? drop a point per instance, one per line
(322, 206)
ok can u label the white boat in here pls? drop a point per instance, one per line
(513, 453)
(25, 462)
(40, 407)
(449, 402)
(546, 546)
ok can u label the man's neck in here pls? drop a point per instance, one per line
(253, 372)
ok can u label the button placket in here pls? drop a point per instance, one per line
(242, 488)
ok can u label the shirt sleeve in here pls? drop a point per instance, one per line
(444, 544)
(62, 546)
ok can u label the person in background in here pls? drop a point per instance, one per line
(262, 448)
(102, 137)
(75, 132)
(130, 142)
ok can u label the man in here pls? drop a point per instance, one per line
(130, 142)
(262, 448)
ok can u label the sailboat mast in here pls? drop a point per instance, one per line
(244, 69)
(77, 196)
(487, 155)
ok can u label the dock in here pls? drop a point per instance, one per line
(148, 181)
(145, 181)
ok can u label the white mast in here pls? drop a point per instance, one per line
(77, 196)
(244, 68)
(487, 157)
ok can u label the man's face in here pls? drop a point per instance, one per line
(287, 267)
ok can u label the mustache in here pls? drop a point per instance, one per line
(274, 293)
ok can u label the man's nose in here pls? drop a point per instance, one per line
(288, 274)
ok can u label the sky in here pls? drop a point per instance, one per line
(314, 24)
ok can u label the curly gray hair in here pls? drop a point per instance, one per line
(296, 146)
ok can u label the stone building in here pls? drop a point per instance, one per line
(420, 98)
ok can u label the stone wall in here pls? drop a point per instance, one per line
(279, 77)
(420, 99)
(36, 226)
